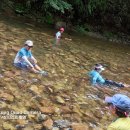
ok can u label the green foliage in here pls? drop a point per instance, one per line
(110, 13)
(94, 4)
(7, 3)
(48, 19)
(20, 8)
(110, 35)
(80, 29)
(58, 5)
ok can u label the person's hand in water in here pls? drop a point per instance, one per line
(43, 73)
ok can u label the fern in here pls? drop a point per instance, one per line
(57, 5)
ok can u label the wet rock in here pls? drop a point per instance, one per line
(48, 124)
(79, 126)
(62, 123)
(47, 110)
(38, 127)
(34, 80)
(67, 129)
(19, 127)
(65, 110)
(76, 109)
(50, 89)
(62, 71)
(21, 83)
(91, 96)
(1, 76)
(28, 128)
(60, 100)
(93, 126)
(3, 104)
(34, 89)
(7, 126)
(31, 116)
(42, 117)
(9, 74)
(58, 87)
(22, 122)
(55, 128)
(76, 62)
(7, 97)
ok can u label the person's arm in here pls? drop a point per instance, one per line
(34, 60)
(28, 62)
(94, 81)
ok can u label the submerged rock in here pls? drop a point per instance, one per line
(62, 123)
(48, 124)
(42, 117)
(79, 126)
(60, 100)
(7, 97)
(7, 126)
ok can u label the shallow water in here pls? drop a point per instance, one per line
(64, 90)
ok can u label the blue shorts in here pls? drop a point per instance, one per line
(22, 65)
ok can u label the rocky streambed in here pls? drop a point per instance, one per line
(63, 100)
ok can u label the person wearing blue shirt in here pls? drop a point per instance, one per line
(97, 80)
(25, 60)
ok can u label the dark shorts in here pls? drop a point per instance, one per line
(21, 65)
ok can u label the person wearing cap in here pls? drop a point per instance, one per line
(25, 60)
(58, 35)
(97, 80)
(119, 107)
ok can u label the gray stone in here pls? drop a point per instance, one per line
(42, 117)
(62, 123)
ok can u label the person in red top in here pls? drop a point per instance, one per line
(58, 36)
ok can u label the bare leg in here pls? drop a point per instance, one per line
(37, 68)
(33, 70)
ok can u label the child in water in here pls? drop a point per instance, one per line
(58, 36)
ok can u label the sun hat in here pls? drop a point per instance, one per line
(119, 100)
(61, 29)
(29, 43)
(99, 67)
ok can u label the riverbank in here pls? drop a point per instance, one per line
(88, 30)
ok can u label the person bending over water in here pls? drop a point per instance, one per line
(97, 80)
(58, 36)
(119, 106)
(25, 60)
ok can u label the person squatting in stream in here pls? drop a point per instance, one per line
(26, 61)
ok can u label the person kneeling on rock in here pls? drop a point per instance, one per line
(97, 80)
(25, 60)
